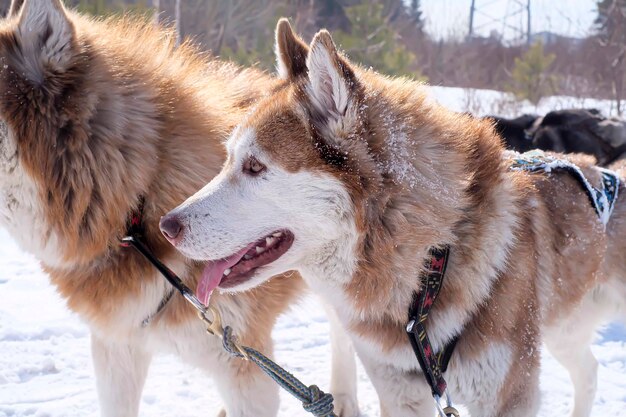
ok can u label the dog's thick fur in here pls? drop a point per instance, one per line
(96, 114)
(368, 174)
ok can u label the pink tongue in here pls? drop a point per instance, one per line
(213, 272)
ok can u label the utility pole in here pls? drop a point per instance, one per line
(471, 19)
(512, 16)
(528, 32)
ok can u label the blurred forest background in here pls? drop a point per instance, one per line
(389, 35)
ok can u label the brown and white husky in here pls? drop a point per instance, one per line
(350, 177)
(97, 116)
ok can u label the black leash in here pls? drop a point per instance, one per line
(433, 364)
(170, 276)
(314, 400)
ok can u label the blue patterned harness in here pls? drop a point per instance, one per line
(602, 199)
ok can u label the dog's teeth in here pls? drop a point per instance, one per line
(269, 241)
(227, 272)
(278, 234)
(259, 249)
(246, 256)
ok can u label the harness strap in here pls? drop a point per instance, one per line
(602, 199)
(164, 301)
(433, 364)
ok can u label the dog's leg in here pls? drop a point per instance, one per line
(583, 369)
(405, 396)
(244, 388)
(517, 395)
(121, 371)
(343, 383)
(524, 403)
(401, 394)
(569, 342)
(383, 410)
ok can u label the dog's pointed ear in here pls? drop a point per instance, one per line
(45, 32)
(291, 51)
(15, 7)
(332, 82)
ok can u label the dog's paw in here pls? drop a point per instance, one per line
(346, 405)
(222, 413)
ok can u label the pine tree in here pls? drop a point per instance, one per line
(611, 20)
(108, 7)
(415, 13)
(530, 77)
(372, 42)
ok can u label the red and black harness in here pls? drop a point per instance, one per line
(433, 364)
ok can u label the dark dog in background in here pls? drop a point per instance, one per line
(516, 132)
(566, 131)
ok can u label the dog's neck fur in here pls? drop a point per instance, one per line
(379, 262)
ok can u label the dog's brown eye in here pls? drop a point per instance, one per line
(252, 166)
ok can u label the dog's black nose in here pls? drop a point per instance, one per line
(170, 227)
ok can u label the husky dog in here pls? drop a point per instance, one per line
(351, 177)
(99, 118)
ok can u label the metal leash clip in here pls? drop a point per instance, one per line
(448, 410)
(215, 328)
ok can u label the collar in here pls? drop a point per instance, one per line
(134, 228)
(134, 224)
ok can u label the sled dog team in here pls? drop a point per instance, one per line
(344, 175)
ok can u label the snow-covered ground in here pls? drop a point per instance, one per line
(46, 371)
(491, 102)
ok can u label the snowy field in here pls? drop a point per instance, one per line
(46, 371)
(492, 102)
